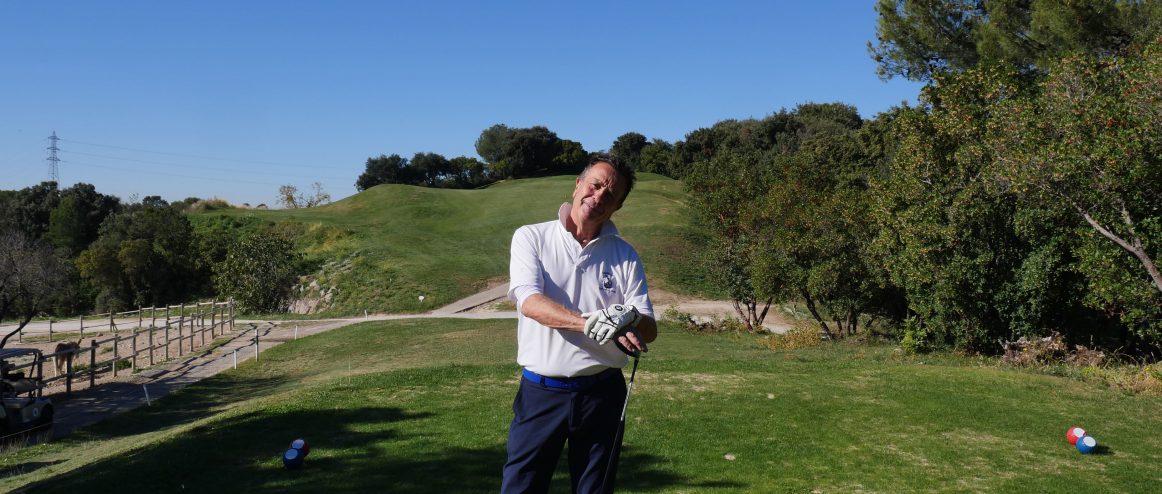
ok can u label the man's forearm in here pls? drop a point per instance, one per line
(544, 310)
(554, 315)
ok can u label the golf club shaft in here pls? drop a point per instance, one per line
(618, 435)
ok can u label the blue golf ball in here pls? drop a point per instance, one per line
(292, 459)
(1086, 444)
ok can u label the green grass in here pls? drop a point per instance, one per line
(423, 406)
(384, 247)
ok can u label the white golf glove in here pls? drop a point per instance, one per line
(602, 325)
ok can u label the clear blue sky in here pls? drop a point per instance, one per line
(232, 99)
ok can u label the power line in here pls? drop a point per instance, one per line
(210, 158)
(200, 167)
(176, 175)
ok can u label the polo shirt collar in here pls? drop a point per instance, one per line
(607, 228)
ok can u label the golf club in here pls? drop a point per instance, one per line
(606, 483)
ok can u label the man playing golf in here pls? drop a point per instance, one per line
(581, 293)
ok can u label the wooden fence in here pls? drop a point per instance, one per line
(141, 338)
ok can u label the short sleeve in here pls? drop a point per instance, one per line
(525, 272)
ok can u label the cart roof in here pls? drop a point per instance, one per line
(7, 353)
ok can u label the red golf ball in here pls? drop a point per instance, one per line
(1073, 434)
(301, 445)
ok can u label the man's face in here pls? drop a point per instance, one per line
(597, 195)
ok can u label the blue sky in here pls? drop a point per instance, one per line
(233, 99)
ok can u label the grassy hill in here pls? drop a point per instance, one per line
(423, 405)
(384, 247)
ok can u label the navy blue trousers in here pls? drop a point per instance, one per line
(544, 418)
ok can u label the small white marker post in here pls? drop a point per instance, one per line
(235, 358)
(147, 400)
(296, 331)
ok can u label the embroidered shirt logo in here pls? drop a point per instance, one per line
(607, 282)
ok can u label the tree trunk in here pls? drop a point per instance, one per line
(1133, 247)
(811, 307)
(744, 314)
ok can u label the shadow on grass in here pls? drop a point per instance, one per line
(368, 449)
(29, 467)
(188, 404)
(639, 471)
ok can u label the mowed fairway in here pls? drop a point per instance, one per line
(424, 405)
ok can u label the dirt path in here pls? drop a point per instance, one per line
(124, 393)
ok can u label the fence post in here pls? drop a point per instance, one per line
(116, 343)
(40, 376)
(167, 334)
(112, 325)
(231, 315)
(92, 363)
(151, 330)
(133, 347)
(181, 320)
(256, 343)
(213, 318)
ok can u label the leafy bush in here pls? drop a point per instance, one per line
(918, 338)
(258, 272)
(804, 334)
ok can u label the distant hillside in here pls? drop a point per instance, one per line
(381, 249)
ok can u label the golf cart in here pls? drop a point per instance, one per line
(24, 409)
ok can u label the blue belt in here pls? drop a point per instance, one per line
(579, 383)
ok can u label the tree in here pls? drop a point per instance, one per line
(28, 209)
(470, 172)
(815, 224)
(977, 263)
(32, 278)
(382, 170)
(571, 159)
(657, 157)
(145, 255)
(290, 197)
(527, 152)
(532, 152)
(629, 147)
(1089, 142)
(431, 170)
(725, 190)
(75, 221)
(493, 143)
(918, 39)
(258, 272)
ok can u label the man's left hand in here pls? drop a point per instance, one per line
(604, 324)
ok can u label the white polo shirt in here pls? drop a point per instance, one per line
(546, 259)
